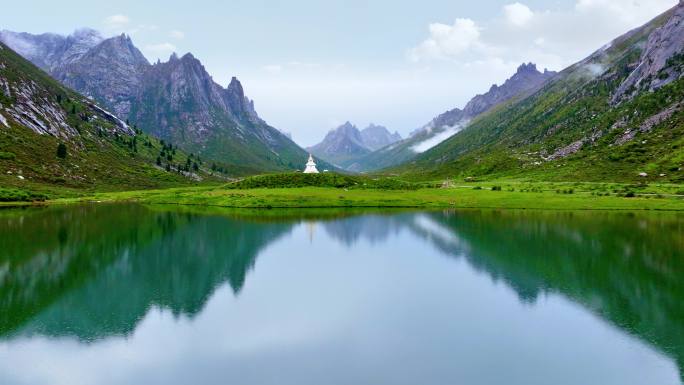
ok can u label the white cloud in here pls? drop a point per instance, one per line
(160, 48)
(273, 68)
(448, 40)
(295, 66)
(117, 21)
(437, 139)
(518, 14)
(551, 38)
(176, 34)
(624, 11)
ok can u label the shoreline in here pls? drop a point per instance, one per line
(327, 197)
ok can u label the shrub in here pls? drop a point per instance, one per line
(16, 195)
(7, 155)
(496, 188)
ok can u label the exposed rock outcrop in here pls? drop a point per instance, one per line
(110, 72)
(176, 100)
(662, 59)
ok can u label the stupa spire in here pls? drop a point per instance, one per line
(311, 166)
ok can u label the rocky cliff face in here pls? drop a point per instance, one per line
(33, 103)
(110, 72)
(50, 51)
(176, 100)
(662, 60)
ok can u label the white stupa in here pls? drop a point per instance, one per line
(311, 166)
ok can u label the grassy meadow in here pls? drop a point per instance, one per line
(335, 190)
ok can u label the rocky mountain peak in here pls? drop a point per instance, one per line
(236, 87)
(346, 144)
(347, 128)
(49, 50)
(120, 48)
(526, 80)
(177, 100)
(340, 144)
(107, 71)
(376, 137)
(242, 106)
(86, 37)
(527, 68)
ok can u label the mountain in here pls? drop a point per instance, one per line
(524, 82)
(376, 137)
(346, 144)
(50, 51)
(616, 115)
(341, 146)
(52, 136)
(176, 100)
(110, 72)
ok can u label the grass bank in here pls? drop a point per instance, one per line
(453, 197)
(343, 191)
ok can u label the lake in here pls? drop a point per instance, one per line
(128, 294)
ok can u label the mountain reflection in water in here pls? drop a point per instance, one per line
(94, 272)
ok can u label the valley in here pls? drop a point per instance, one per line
(172, 126)
(435, 192)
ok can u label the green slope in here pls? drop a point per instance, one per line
(102, 153)
(570, 130)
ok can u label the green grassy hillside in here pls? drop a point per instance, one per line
(571, 129)
(54, 141)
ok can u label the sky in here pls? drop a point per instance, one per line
(311, 65)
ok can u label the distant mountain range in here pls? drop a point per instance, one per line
(616, 115)
(524, 82)
(346, 144)
(177, 100)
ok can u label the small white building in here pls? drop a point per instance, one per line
(311, 166)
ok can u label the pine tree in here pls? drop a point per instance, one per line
(62, 151)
